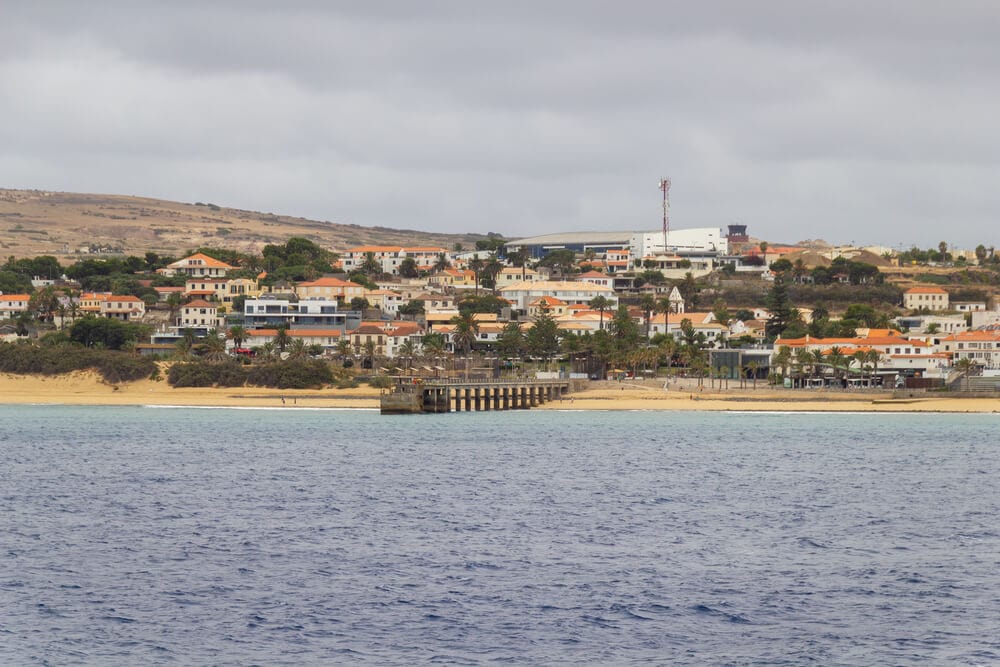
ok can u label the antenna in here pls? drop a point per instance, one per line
(665, 188)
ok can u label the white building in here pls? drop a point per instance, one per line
(678, 242)
(571, 292)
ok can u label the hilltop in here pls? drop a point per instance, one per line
(71, 225)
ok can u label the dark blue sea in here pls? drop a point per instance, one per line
(287, 537)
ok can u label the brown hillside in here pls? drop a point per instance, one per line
(70, 225)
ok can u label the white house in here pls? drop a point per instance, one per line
(571, 292)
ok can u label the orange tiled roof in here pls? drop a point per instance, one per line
(199, 303)
(376, 248)
(206, 261)
(977, 335)
(925, 290)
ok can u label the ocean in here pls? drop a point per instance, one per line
(293, 536)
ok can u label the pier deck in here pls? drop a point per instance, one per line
(412, 397)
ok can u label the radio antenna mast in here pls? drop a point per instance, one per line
(665, 188)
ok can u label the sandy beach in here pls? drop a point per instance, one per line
(87, 388)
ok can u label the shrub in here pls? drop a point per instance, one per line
(207, 374)
(291, 374)
(57, 359)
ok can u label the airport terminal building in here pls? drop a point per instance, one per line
(680, 242)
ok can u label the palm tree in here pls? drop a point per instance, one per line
(491, 269)
(266, 352)
(753, 367)
(237, 334)
(370, 349)
(281, 338)
(803, 358)
(464, 334)
(433, 345)
(213, 346)
(648, 304)
(298, 349)
(817, 361)
(837, 359)
(371, 265)
(476, 266)
(873, 358)
(343, 348)
(600, 303)
(782, 359)
(183, 349)
(663, 306)
(406, 351)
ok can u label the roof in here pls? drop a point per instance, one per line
(424, 249)
(368, 328)
(124, 299)
(548, 300)
(199, 303)
(556, 286)
(297, 333)
(376, 248)
(977, 335)
(328, 281)
(622, 238)
(925, 290)
(210, 262)
(15, 297)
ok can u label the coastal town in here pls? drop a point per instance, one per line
(706, 305)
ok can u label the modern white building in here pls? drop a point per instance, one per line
(680, 242)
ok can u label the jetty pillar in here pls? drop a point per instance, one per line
(478, 399)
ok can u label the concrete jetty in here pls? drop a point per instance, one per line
(418, 396)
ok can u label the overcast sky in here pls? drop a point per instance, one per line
(871, 122)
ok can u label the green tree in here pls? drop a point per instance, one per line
(281, 339)
(560, 261)
(371, 266)
(542, 339)
(476, 266)
(511, 342)
(600, 303)
(412, 307)
(237, 334)
(647, 302)
(780, 307)
(212, 347)
(464, 334)
(106, 332)
(408, 268)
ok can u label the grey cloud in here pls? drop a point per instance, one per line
(850, 121)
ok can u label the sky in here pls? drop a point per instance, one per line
(853, 122)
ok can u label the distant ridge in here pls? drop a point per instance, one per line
(39, 222)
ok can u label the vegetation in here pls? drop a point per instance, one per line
(289, 374)
(57, 359)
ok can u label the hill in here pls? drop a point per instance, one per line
(71, 225)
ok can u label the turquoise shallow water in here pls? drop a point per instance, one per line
(221, 536)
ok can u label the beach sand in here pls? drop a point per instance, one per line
(87, 388)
